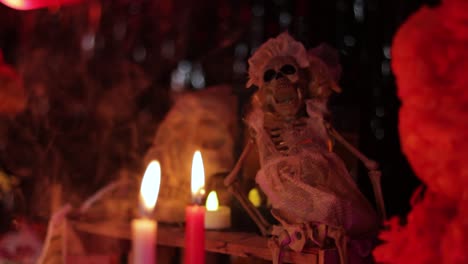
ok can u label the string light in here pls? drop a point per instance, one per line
(139, 54)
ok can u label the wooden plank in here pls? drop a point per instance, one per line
(93, 259)
(226, 242)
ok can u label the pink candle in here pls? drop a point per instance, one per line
(144, 229)
(144, 241)
(195, 216)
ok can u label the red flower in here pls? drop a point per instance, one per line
(430, 62)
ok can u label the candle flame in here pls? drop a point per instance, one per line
(212, 202)
(149, 189)
(198, 176)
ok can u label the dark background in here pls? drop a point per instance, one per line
(217, 37)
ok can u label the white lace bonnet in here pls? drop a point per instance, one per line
(282, 45)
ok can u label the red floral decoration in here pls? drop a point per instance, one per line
(430, 62)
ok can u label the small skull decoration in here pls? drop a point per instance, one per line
(312, 194)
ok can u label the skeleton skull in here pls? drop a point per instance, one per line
(282, 86)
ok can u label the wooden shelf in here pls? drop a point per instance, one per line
(225, 242)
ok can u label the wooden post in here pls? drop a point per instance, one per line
(55, 197)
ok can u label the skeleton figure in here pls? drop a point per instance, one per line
(311, 192)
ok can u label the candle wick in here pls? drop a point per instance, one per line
(197, 200)
(145, 213)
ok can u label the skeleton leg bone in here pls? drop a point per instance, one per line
(253, 212)
(372, 166)
(231, 183)
(276, 244)
(341, 242)
(294, 237)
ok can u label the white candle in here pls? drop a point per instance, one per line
(144, 241)
(144, 229)
(216, 216)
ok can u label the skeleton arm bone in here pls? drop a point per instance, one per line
(372, 166)
(233, 187)
(232, 177)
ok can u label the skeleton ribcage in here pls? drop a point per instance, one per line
(287, 138)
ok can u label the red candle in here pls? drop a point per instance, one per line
(195, 216)
(195, 235)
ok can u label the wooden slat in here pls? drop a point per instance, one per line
(226, 242)
(93, 259)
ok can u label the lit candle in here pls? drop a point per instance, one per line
(195, 215)
(34, 4)
(144, 229)
(217, 217)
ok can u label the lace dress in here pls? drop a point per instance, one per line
(310, 184)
